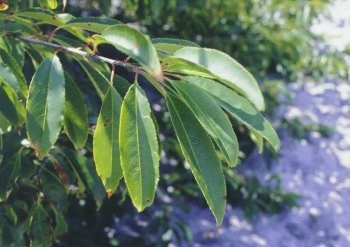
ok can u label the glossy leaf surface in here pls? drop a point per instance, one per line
(228, 70)
(136, 45)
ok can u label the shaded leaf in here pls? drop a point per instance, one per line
(138, 148)
(40, 227)
(199, 151)
(17, 73)
(100, 82)
(53, 189)
(10, 106)
(106, 141)
(61, 226)
(75, 114)
(8, 172)
(227, 70)
(240, 108)
(45, 105)
(86, 173)
(212, 118)
(136, 45)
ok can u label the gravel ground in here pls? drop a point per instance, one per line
(317, 168)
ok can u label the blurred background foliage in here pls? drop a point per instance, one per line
(272, 38)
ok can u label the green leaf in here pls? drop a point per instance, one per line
(8, 172)
(212, 118)
(75, 114)
(100, 82)
(93, 24)
(86, 173)
(171, 45)
(257, 138)
(45, 105)
(138, 148)
(182, 66)
(53, 189)
(61, 227)
(15, 49)
(199, 151)
(4, 123)
(41, 15)
(121, 85)
(1, 151)
(240, 108)
(136, 45)
(15, 70)
(106, 142)
(9, 78)
(10, 106)
(52, 4)
(40, 228)
(227, 70)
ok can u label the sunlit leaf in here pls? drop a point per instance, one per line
(227, 70)
(138, 148)
(240, 108)
(106, 141)
(93, 24)
(136, 45)
(171, 45)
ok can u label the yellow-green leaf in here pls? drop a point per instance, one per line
(138, 148)
(106, 141)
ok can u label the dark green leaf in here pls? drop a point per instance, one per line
(53, 189)
(10, 106)
(100, 82)
(8, 172)
(41, 15)
(138, 148)
(61, 227)
(45, 105)
(40, 227)
(106, 141)
(239, 108)
(227, 70)
(199, 151)
(75, 114)
(16, 70)
(86, 173)
(212, 118)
